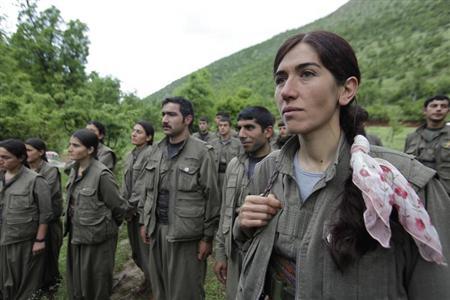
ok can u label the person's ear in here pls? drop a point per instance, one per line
(348, 91)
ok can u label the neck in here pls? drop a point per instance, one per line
(180, 137)
(35, 165)
(261, 152)
(140, 147)
(318, 150)
(11, 173)
(435, 124)
(83, 164)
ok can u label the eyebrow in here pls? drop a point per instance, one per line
(300, 66)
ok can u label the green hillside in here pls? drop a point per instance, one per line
(403, 47)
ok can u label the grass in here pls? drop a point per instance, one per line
(214, 290)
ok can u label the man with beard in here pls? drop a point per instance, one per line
(430, 143)
(255, 125)
(179, 206)
(282, 137)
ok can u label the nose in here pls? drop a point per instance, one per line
(289, 90)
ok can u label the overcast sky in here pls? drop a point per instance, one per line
(147, 44)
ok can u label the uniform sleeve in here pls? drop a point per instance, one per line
(429, 280)
(125, 190)
(110, 195)
(219, 242)
(208, 181)
(407, 143)
(54, 181)
(109, 160)
(258, 183)
(42, 197)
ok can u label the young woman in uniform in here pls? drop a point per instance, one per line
(25, 211)
(95, 210)
(330, 218)
(142, 138)
(37, 160)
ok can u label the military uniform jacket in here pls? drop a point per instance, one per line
(300, 231)
(233, 193)
(194, 199)
(53, 177)
(106, 156)
(132, 169)
(226, 150)
(95, 208)
(433, 153)
(206, 138)
(25, 203)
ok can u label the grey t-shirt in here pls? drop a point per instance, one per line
(305, 180)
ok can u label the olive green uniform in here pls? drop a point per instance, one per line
(54, 237)
(204, 137)
(234, 190)
(106, 156)
(374, 140)
(225, 151)
(300, 231)
(134, 163)
(95, 210)
(180, 207)
(24, 205)
(432, 148)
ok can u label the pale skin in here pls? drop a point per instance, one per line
(309, 99)
(12, 165)
(436, 113)
(176, 128)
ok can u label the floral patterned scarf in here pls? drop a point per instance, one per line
(383, 187)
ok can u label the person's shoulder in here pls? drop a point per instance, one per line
(414, 171)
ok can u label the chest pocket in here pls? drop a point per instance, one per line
(88, 200)
(187, 177)
(150, 173)
(19, 201)
(445, 151)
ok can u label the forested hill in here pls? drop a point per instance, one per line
(403, 47)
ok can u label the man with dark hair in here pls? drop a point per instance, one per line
(255, 126)
(179, 206)
(203, 130)
(226, 147)
(282, 136)
(430, 143)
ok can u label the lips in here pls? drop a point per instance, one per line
(291, 109)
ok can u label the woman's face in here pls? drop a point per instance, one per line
(77, 151)
(306, 93)
(139, 136)
(33, 154)
(8, 161)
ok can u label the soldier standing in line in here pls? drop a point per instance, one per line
(282, 137)
(142, 138)
(255, 126)
(37, 159)
(105, 155)
(25, 211)
(179, 207)
(226, 147)
(203, 130)
(430, 143)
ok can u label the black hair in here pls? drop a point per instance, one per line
(222, 113)
(101, 128)
(204, 119)
(436, 97)
(225, 119)
(350, 239)
(87, 139)
(39, 145)
(186, 107)
(149, 130)
(17, 148)
(261, 115)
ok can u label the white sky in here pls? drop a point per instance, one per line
(147, 44)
